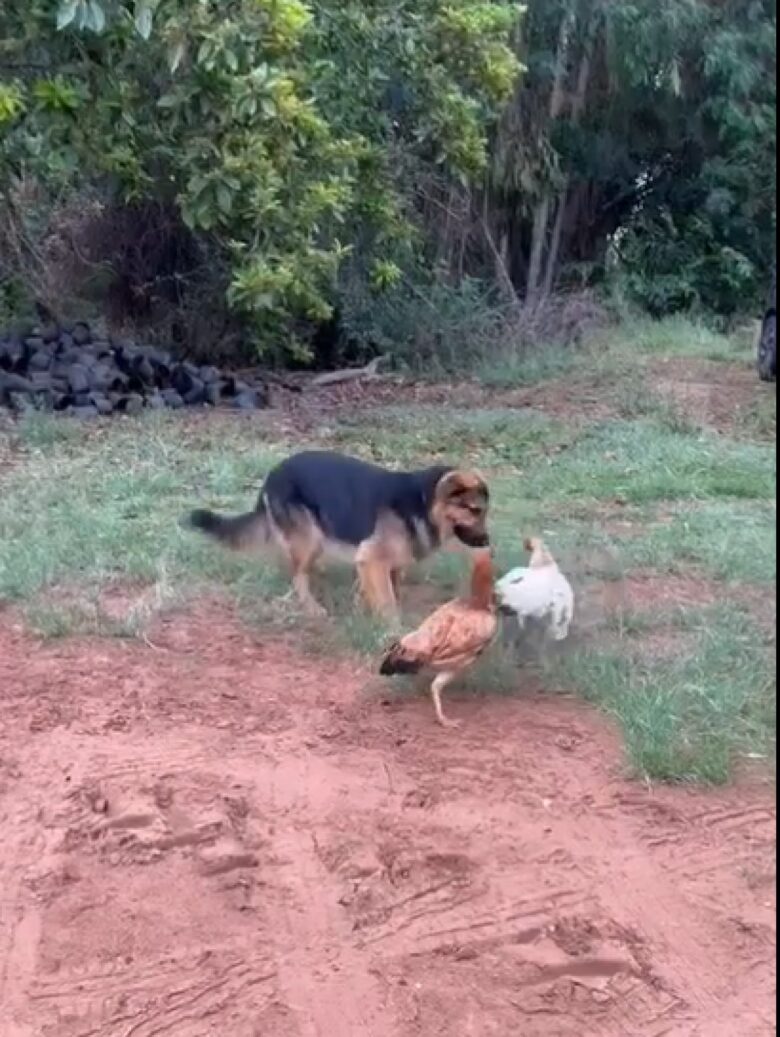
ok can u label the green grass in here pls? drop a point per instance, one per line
(86, 509)
(687, 717)
(522, 368)
(43, 432)
(80, 513)
(427, 435)
(728, 541)
(680, 336)
(614, 355)
(638, 462)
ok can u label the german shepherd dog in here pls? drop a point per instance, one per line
(318, 504)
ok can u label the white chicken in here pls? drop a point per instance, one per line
(540, 591)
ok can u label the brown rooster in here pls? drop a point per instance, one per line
(452, 638)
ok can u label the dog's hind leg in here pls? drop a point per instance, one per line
(376, 581)
(304, 550)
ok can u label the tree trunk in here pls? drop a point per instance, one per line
(578, 107)
(499, 258)
(542, 214)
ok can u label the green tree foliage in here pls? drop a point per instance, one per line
(382, 141)
(643, 133)
(270, 125)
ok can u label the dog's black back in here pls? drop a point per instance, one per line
(347, 497)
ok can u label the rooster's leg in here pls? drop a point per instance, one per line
(438, 686)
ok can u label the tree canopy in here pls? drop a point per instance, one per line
(535, 148)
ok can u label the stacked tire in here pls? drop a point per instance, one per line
(71, 370)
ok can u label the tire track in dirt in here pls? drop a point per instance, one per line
(348, 869)
(168, 996)
(314, 971)
(323, 972)
(24, 848)
(24, 842)
(620, 877)
(163, 998)
(140, 992)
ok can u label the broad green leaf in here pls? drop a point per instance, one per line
(144, 20)
(66, 13)
(176, 55)
(97, 16)
(224, 199)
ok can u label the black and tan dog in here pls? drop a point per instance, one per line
(319, 504)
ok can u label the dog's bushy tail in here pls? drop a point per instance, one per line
(236, 531)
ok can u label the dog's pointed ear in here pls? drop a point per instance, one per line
(459, 482)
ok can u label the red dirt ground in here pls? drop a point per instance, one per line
(213, 835)
(710, 393)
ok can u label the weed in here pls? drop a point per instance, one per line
(420, 435)
(43, 432)
(685, 718)
(509, 369)
(640, 462)
(677, 336)
(634, 401)
(729, 540)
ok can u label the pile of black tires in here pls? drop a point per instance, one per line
(70, 370)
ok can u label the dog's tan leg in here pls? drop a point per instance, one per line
(397, 576)
(376, 584)
(304, 551)
(438, 686)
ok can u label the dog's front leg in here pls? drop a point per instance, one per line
(397, 578)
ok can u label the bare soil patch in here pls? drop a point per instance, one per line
(710, 393)
(575, 399)
(218, 835)
(642, 591)
(649, 590)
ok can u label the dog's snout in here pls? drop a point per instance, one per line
(472, 537)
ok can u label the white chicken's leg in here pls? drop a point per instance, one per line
(438, 686)
(520, 631)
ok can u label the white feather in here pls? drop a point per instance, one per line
(541, 593)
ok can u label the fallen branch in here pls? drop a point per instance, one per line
(349, 374)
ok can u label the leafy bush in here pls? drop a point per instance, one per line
(434, 327)
(278, 141)
(671, 266)
(266, 125)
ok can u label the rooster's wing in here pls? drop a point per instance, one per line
(452, 637)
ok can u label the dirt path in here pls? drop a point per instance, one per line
(218, 837)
